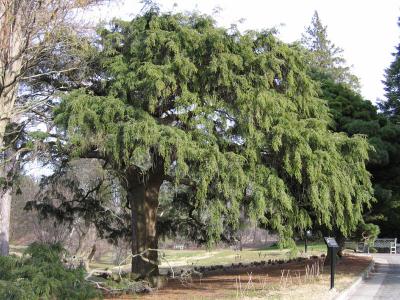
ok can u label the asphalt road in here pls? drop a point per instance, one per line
(384, 282)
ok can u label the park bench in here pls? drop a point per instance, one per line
(353, 245)
(384, 243)
(179, 246)
(391, 244)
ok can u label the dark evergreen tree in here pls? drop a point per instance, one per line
(391, 105)
(354, 115)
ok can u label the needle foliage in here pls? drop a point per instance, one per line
(233, 117)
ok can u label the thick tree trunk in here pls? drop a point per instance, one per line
(143, 199)
(340, 239)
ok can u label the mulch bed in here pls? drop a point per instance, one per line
(223, 282)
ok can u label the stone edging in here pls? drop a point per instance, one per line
(346, 292)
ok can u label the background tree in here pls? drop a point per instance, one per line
(230, 120)
(32, 33)
(391, 105)
(354, 115)
(326, 57)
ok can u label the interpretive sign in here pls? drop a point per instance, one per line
(333, 248)
(331, 242)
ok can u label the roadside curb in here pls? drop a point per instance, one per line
(346, 292)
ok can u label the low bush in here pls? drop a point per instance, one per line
(40, 274)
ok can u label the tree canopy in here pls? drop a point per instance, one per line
(231, 120)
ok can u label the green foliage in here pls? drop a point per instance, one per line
(40, 274)
(354, 115)
(234, 119)
(325, 57)
(369, 232)
(387, 171)
(391, 106)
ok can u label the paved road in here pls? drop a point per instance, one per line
(384, 282)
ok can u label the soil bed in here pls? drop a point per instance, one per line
(305, 279)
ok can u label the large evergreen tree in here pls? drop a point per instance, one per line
(230, 120)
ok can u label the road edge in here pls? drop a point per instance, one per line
(343, 295)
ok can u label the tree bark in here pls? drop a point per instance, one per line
(143, 199)
(5, 210)
(340, 239)
(6, 174)
(7, 169)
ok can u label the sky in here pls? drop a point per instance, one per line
(366, 30)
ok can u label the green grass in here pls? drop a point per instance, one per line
(228, 256)
(203, 257)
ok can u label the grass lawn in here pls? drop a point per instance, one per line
(203, 257)
(228, 256)
(221, 256)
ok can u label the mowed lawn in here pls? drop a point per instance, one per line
(219, 256)
(228, 256)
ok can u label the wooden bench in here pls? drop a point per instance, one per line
(352, 245)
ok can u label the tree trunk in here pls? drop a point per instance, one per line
(143, 199)
(340, 239)
(12, 42)
(5, 210)
(6, 174)
(7, 100)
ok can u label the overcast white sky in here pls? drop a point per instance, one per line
(367, 31)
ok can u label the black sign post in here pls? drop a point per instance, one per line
(307, 235)
(333, 247)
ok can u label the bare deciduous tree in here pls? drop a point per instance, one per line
(31, 31)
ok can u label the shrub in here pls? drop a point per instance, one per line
(40, 274)
(372, 250)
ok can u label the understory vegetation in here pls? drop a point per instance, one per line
(41, 274)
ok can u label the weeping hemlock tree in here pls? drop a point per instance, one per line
(232, 119)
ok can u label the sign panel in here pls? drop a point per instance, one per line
(333, 247)
(331, 242)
